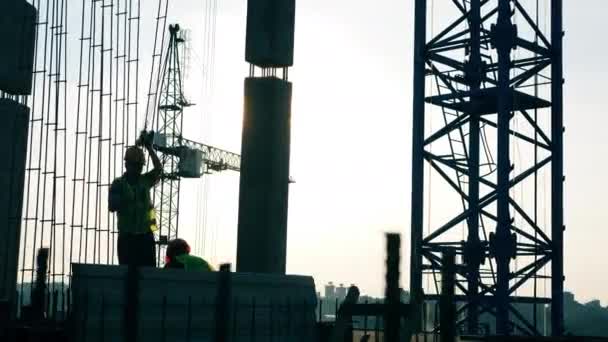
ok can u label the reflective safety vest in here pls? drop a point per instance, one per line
(136, 214)
(152, 220)
(193, 263)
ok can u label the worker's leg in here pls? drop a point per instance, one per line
(129, 250)
(122, 246)
(147, 248)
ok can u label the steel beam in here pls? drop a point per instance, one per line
(557, 171)
(473, 244)
(501, 253)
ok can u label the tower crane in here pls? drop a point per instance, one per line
(181, 157)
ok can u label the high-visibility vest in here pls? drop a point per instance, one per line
(193, 263)
(152, 220)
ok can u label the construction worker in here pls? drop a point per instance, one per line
(129, 197)
(178, 256)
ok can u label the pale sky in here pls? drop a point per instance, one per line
(351, 136)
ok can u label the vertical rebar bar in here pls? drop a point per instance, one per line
(447, 309)
(270, 321)
(377, 328)
(288, 329)
(163, 320)
(392, 295)
(252, 331)
(102, 318)
(501, 241)
(365, 319)
(557, 169)
(235, 314)
(417, 212)
(222, 304)
(85, 317)
(189, 321)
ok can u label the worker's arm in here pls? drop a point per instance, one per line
(155, 173)
(155, 161)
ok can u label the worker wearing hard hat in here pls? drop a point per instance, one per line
(129, 197)
(178, 256)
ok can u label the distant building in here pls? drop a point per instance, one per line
(330, 291)
(341, 292)
(569, 297)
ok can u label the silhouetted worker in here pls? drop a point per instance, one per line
(178, 256)
(129, 197)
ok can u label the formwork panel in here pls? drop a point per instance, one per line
(17, 40)
(175, 305)
(270, 32)
(264, 177)
(13, 154)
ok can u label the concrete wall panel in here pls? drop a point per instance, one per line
(175, 305)
(13, 154)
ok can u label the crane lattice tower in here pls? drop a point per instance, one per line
(490, 129)
(169, 123)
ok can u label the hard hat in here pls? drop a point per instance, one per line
(135, 154)
(177, 247)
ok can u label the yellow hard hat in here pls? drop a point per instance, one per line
(135, 154)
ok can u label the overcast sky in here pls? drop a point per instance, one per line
(351, 133)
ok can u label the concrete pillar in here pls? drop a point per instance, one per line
(264, 184)
(13, 155)
(17, 41)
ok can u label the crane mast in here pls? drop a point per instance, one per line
(181, 157)
(490, 102)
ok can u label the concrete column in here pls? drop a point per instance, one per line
(17, 42)
(264, 185)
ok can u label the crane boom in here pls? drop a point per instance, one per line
(215, 159)
(196, 159)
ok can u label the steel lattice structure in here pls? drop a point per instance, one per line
(497, 91)
(169, 123)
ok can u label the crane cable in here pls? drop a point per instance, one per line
(206, 245)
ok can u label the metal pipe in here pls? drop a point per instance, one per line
(447, 309)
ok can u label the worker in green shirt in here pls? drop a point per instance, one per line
(178, 256)
(129, 197)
